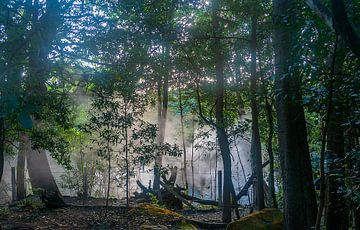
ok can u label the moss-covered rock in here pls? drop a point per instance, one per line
(166, 216)
(266, 219)
(154, 210)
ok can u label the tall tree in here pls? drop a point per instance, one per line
(336, 210)
(44, 30)
(163, 84)
(219, 112)
(299, 193)
(256, 155)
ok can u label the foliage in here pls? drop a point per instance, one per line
(153, 199)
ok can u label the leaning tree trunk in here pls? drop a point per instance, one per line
(258, 184)
(299, 193)
(39, 169)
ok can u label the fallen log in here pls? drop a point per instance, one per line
(198, 200)
(248, 183)
(142, 187)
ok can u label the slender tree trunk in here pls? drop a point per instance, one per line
(158, 158)
(216, 168)
(163, 117)
(299, 193)
(192, 159)
(20, 168)
(258, 183)
(270, 151)
(108, 177)
(2, 147)
(323, 140)
(183, 134)
(219, 113)
(127, 158)
(336, 210)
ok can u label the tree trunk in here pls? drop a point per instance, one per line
(20, 168)
(323, 139)
(336, 210)
(2, 147)
(127, 157)
(158, 158)
(183, 135)
(192, 158)
(258, 184)
(219, 113)
(40, 177)
(299, 193)
(270, 151)
(163, 116)
(44, 31)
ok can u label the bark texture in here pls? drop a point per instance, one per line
(299, 193)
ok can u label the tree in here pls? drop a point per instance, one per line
(299, 194)
(219, 111)
(258, 183)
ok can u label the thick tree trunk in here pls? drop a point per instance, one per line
(39, 169)
(44, 31)
(258, 183)
(20, 167)
(299, 193)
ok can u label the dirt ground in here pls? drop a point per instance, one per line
(93, 215)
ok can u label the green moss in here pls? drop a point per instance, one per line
(266, 219)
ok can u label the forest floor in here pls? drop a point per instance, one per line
(93, 215)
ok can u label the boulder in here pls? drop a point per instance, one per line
(266, 219)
